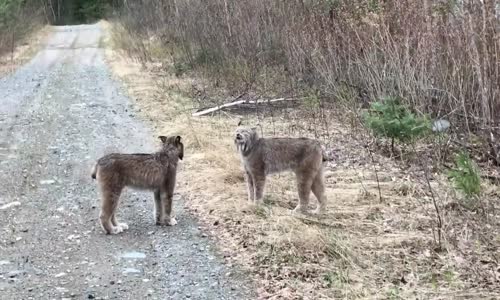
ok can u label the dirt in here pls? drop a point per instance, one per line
(58, 114)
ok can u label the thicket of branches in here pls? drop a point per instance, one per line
(441, 57)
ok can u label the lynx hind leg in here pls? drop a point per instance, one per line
(109, 203)
(318, 189)
(304, 184)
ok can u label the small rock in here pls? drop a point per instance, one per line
(133, 254)
(440, 125)
(15, 273)
(60, 275)
(90, 296)
(9, 205)
(47, 181)
(131, 271)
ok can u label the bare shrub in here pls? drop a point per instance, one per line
(440, 56)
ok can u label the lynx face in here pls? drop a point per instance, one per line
(173, 141)
(245, 138)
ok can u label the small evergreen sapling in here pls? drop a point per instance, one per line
(390, 119)
(466, 179)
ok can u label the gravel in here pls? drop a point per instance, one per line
(58, 114)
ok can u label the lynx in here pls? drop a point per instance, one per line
(156, 172)
(263, 156)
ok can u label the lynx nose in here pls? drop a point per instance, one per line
(238, 136)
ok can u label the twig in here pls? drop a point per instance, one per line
(310, 221)
(376, 173)
(434, 202)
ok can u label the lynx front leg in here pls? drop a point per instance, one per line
(259, 181)
(250, 186)
(158, 207)
(166, 198)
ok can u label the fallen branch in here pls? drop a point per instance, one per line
(239, 102)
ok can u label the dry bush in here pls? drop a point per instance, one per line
(440, 56)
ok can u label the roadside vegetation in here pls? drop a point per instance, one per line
(404, 97)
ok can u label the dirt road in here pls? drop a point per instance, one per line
(58, 114)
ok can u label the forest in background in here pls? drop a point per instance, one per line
(20, 17)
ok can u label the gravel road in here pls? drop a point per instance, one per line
(58, 114)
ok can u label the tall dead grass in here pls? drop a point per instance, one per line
(442, 57)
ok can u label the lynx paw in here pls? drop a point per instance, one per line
(258, 201)
(123, 226)
(319, 210)
(172, 222)
(299, 210)
(116, 230)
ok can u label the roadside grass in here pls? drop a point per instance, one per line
(362, 248)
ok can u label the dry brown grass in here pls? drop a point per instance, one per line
(361, 249)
